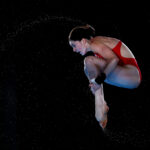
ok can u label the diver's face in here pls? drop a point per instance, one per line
(78, 47)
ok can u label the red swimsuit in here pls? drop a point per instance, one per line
(123, 60)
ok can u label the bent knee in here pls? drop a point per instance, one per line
(92, 60)
(89, 59)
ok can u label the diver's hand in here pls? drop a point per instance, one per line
(94, 87)
(100, 79)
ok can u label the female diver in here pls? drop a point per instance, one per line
(112, 62)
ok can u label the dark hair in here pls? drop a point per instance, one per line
(80, 32)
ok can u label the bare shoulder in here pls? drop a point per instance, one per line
(100, 46)
(111, 42)
(107, 41)
(99, 42)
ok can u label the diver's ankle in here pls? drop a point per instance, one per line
(98, 91)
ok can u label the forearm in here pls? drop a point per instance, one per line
(111, 66)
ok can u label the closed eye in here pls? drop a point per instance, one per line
(73, 45)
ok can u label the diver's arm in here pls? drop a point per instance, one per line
(111, 66)
(110, 57)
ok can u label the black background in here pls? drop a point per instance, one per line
(44, 95)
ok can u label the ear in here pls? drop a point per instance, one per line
(83, 41)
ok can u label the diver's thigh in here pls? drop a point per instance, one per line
(122, 76)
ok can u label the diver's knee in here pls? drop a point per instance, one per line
(88, 59)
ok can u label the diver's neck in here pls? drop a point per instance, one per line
(88, 47)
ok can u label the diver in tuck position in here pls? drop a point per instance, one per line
(112, 62)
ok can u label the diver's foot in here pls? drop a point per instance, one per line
(103, 123)
(104, 119)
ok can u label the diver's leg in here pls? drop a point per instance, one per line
(101, 107)
(124, 76)
(93, 67)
